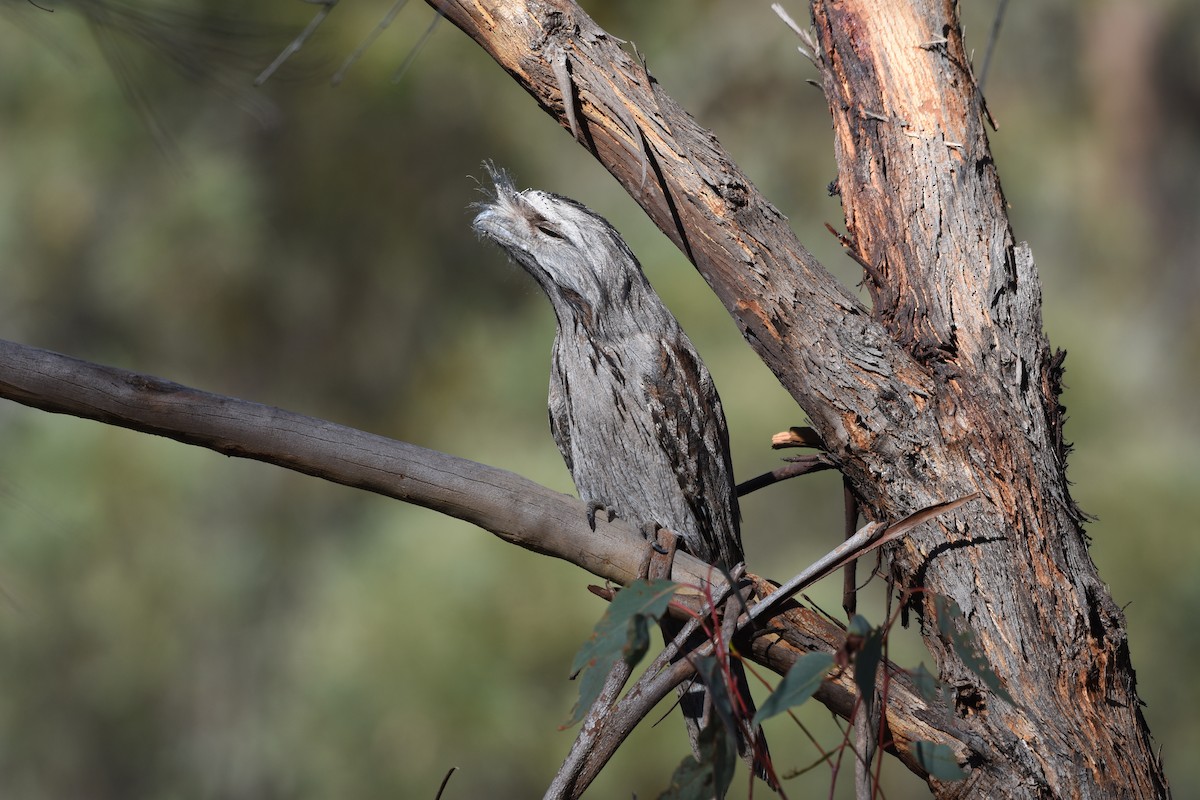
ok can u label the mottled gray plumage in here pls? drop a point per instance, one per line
(633, 409)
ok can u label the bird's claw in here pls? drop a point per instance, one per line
(650, 534)
(596, 505)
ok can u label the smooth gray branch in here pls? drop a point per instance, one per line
(514, 508)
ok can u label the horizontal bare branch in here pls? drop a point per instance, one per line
(514, 508)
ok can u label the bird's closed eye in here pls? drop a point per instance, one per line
(550, 230)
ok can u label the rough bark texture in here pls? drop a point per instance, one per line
(946, 387)
(924, 205)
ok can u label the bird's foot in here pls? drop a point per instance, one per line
(650, 534)
(599, 505)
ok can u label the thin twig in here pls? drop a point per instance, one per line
(802, 465)
(993, 37)
(660, 678)
(298, 42)
(849, 579)
(412, 54)
(850, 251)
(567, 781)
(445, 781)
(379, 28)
(869, 537)
(810, 50)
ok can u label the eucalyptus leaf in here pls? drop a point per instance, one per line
(962, 639)
(938, 760)
(623, 633)
(801, 681)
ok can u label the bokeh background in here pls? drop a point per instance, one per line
(177, 624)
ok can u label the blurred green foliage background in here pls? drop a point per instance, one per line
(177, 624)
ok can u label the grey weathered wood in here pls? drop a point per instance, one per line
(512, 507)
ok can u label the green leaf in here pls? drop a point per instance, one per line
(927, 685)
(963, 641)
(591, 683)
(859, 626)
(711, 775)
(711, 674)
(797, 686)
(866, 666)
(622, 633)
(938, 760)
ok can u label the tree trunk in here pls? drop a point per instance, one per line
(945, 387)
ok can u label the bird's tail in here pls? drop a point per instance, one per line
(730, 704)
(752, 742)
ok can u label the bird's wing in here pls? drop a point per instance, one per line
(690, 426)
(560, 414)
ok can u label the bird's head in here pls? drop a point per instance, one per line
(578, 259)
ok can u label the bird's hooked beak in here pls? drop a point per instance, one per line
(500, 210)
(524, 226)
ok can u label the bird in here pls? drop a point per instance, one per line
(633, 409)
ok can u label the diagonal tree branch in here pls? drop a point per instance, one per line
(818, 339)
